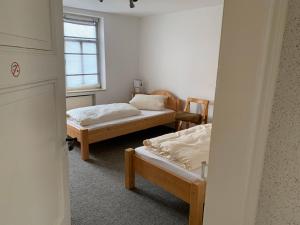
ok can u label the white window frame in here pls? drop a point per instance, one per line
(78, 19)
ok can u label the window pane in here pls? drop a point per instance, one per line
(89, 48)
(82, 82)
(81, 55)
(74, 82)
(90, 64)
(73, 64)
(91, 80)
(72, 47)
(79, 30)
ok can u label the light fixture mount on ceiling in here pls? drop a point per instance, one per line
(131, 3)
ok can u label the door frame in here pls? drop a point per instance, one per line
(270, 70)
(266, 74)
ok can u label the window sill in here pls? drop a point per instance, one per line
(83, 91)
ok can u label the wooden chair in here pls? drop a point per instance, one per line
(188, 117)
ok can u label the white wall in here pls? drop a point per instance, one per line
(176, 51)
(121, 36)
(179, 52)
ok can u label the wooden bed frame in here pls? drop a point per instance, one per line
(190, 192)
(86, 137)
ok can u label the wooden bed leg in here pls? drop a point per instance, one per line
(84, 144)
(129, 169)
(197, 197)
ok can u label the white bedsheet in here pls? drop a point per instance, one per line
(186, 148)
(194, 175)
(102, 113)
(144, 114)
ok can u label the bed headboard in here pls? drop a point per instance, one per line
(172, 101)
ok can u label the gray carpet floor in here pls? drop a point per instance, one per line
(98, 196)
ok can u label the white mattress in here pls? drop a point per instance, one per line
(144, 114)
(195, 175)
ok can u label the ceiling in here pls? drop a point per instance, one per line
(142, 8)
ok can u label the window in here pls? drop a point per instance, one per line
(81, 53)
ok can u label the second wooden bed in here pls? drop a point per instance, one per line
(191, 191)
(88, 136)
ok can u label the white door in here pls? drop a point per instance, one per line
(33, 156)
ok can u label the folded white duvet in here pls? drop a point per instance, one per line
(187, 148)
(102, 113)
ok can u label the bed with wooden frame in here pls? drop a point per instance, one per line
(192, 192)
(88, 136)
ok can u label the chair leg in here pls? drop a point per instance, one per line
(197, 197)
(129, 169)
(178, 125)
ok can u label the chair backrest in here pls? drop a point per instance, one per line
(204, 104)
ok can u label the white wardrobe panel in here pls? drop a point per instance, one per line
(29, 167)
(27, 32)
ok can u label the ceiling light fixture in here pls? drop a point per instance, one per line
(131, 3)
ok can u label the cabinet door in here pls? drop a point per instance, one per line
(33, 161)
(25, 23)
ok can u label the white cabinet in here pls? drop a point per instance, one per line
(20, 29)
(33, 156)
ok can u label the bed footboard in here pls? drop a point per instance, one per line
(190, 192)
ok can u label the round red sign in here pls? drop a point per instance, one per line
(15, 69)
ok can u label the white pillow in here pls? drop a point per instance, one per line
(149, 102)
